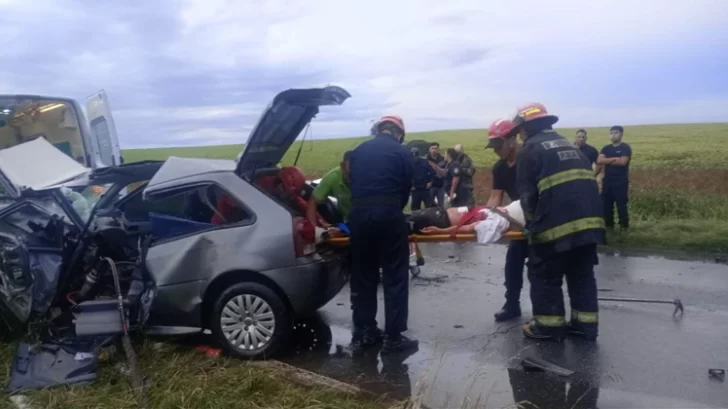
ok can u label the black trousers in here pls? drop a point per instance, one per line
(438, 193)
(421, 196)
(546, 275)
(379, 239)
(515, 261)
(463, 197)
(615, 193)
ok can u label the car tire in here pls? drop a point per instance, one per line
(250, 321)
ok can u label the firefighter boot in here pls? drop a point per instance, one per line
(509, 311)
(584, 324)
(535, 330)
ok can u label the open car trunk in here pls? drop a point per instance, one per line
(281, 123)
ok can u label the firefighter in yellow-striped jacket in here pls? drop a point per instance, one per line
(564, 224)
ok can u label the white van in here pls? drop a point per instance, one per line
(91, 142)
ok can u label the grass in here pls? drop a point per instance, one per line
(679, 177)
(183, 379)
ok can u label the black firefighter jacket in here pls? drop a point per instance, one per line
(559, 195)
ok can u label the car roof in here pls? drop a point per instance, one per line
(176, 169)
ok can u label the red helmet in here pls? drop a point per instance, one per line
(392, 119)
(534, 111)
(498, 130)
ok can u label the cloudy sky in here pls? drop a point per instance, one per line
(194, 72)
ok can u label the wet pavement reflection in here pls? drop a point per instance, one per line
(644, 357)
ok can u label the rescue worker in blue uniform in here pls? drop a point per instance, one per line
(381, 181)
(564, 224)
(421, 181)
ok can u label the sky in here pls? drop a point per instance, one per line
(200, 72)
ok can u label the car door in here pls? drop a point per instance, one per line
(103, 130)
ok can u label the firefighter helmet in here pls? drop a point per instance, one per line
(498, 130)
(392, 119)
(534, 111)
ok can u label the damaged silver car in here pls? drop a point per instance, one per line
(201, 244)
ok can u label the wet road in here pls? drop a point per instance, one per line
(644, 357)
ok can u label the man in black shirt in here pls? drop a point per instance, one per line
(437, 191)
(589, 151)
(505, 145)
(615, 188)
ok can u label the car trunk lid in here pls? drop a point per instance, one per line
(281, 123)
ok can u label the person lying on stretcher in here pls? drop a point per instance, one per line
(486, 224)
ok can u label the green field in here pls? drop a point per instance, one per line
(679, 177)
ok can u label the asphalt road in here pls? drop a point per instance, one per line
(644, 357)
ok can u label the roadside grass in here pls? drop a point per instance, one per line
(180, 378)
(678, 177)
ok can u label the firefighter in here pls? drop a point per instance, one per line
(505, 144)
(381, 181)
(561, 202)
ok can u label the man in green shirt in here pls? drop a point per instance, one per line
(335, 184)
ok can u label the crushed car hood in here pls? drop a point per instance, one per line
(36, 165)
(281, 123)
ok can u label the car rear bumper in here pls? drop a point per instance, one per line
(310, 286)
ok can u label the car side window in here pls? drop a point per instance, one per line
(208, 204)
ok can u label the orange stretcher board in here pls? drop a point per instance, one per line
(433, 238)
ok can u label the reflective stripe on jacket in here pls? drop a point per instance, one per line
(559, 195)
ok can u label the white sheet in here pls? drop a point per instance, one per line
(37, 165)
(515, 211)
(491, 229)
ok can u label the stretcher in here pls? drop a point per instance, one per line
(343, 241)
(415, 239)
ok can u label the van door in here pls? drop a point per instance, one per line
(103, 130)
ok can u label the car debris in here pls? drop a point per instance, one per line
(716, 374)
(538, 363)
(41, 366)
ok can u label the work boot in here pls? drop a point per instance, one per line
(587, 331)
(509, 311)
(366, 338)
(534, 331)
(399, 343)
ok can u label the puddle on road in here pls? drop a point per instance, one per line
(443, 376)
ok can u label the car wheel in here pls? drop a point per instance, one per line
(250, 320)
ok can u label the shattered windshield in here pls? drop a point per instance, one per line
(25, 118)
